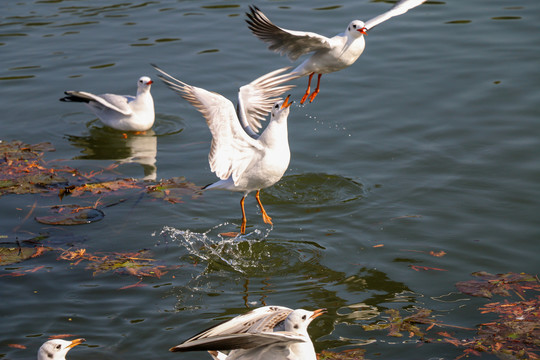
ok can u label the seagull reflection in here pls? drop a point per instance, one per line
(108, 144)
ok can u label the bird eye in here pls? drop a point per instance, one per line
(354, 26)
(277, 106)
(304, 317)
(58, 346)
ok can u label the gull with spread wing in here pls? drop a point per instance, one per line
(243, 159)
(266, 333)
(329, 54)
(57, 349)
(121, 112)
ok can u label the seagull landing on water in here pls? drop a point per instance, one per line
(266, 333)
(329, 54)
(121, 112)
(57, 349)
(244, 160)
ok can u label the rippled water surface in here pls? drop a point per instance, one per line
(428, 143)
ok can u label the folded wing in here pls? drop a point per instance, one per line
(113, 102)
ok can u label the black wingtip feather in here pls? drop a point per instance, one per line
(73, 98)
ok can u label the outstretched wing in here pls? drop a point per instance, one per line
(255, 100)
(264, 319)
(239, 341)
(231, 145)
(401, 7)
(290, 42)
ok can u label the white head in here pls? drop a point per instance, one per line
(57, 349)
(281, 108)
(299, 320)
(356, 28)
(144, 83)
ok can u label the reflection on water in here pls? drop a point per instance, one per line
(104, 143)
(264, 266)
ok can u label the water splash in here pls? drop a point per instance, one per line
(239, 253)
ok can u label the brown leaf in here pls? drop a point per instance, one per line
(500, 284)
(437, 254)
(425, 268)
(71, 215)
(61, 336)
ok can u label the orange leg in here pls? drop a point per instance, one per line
(267, 219)
(308, 89)
(316, 89)
(244, 221)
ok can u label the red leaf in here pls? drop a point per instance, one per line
(425, 268)
(61, 336)
(133, 285)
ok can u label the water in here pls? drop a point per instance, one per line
(428, 143)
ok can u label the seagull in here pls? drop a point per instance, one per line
(266, 333)
(57, 349)
(329, 54)
(121, 112)
(243, 159)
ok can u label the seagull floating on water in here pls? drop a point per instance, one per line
(266, 333)
(121, 112)
(329, 54)
(244, 160)
(57, 349)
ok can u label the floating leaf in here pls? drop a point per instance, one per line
(353, 354)
(137, 284)
(12, 255)
(515, 334)
(23, 171)
(395, 324)
(425, 268)
(61, 336)
(102, 187)
(172, 190)
(437, 254)
(71, 215)
(499, 284)
(135, 264)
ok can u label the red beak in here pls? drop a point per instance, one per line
(318, 312)
(76, 342)
(150, 82)
(363, 30)
(286, 103)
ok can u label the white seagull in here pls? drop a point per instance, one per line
(244, 160)
(329, 54)
(57, 349)
(121, 112)
(266, 333)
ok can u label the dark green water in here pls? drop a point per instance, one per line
(430, 142)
